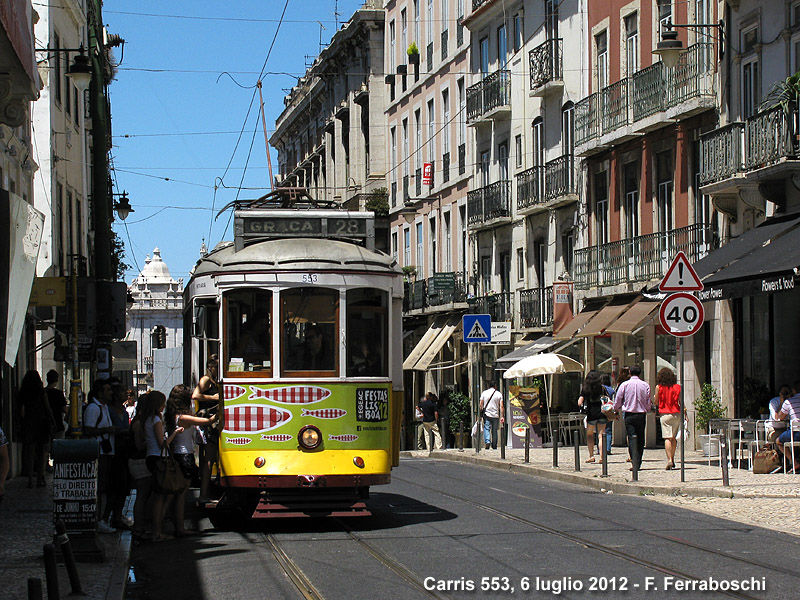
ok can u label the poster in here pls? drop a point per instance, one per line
(75, 494)
(525, 413)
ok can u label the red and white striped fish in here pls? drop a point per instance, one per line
(347, 437)
(297, 394)
(324, 413)
(254, 418)
(239, 441)
(276, 437)
(231, 392)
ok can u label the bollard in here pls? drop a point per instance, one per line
(723, 459)
(554, 439)
(34, 588)
(69, 558)
(479, 437)
(461, 436)
(502, 441)
(604, 456)
(576, 442)
(430, 442)
(51, 572)
(634, 449)
(527, 444)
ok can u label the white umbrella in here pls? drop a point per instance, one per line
(543, 364)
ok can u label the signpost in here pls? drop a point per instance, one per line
(681, 315)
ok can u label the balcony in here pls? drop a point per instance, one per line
(499, 306)
(438, 292)
(488, 204)
(536, 307)
(643, 258)
(489, 98)
(764, 147)
(546, 67)
(547, 186)
(646, 100)
(417, 293)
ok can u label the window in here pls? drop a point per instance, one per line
(484, 56)
(502, 160)
(538, 142)
(404, 34)
(443, 14)
(540, 256)
(484, 167)
(486, 274)
(367, 333)
(248, 327)
(518, 150)
(462, 257)
(417, 37)
(632, 43)
(67, 83)
(664, 14)
(601, 46)
(310, 343)
(568, 129)
(392, 50)
(631, 190)
(567, 250)
(407, 247)
(405, 147)
(601, 207)
(76, 113)
(57, 62)
(462, 112)
(59, 224)
(420, 252)
(393, 152)
(446, 121)
(750, 74)
(702, 202)
(518, 34)
(394, 247)
(418, 131)
(664, 175)
(78, 225)
(447, 254)
(520, 264)
(551, 18)
(431, 130)
(74, 244)
(432, 245)
(502, 46)
(430, 22)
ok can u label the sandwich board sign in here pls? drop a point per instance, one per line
(477, 328)
(681, 276)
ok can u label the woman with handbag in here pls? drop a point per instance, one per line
(667, 402)
(156, 443)
(206, 398)
(591, 398)
(179, 416)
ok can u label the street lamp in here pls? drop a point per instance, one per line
(670, 47)
(80, 71)
(123, 206)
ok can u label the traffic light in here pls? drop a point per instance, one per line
(159, 337)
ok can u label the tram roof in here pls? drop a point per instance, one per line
(293, 253)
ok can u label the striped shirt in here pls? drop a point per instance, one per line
(791, 407)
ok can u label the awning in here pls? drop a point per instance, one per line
(431, 343)
(763, 260)
(629, 321)
(535, 347)
(607, 315)
(569, 330)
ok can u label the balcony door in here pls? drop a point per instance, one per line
(631, 184)
(538, 158)
(664, 187)
(502, 160)
(551, 18)
(484, 56)
(601, 207)
(484, 166)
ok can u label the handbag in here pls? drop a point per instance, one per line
(607, 408)
(167, 477)
(766, 460)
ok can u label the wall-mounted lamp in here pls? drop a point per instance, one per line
(123, 206)
(670, 47)
(80, 71)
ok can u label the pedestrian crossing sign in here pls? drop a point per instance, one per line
(477, 328)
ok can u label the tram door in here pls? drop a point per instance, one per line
(206, 336)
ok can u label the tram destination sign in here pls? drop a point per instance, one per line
(257, 225)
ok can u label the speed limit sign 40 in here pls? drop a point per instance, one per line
(681, 314)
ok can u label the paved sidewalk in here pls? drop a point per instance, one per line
(26, 525)
(701, 479)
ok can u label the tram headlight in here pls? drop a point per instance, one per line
(309, 437)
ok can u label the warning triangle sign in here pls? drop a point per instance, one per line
(681, 276)
(477, 331)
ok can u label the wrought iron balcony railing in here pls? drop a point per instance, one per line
(430, 57)
(721, 153)
(542, 184)
(643, 258)
(447, 288)
(405, 188)
(445, 34)
(530, 187)
(445, 167)
(536, 307)
(418, 294)
(490, 202)
(418, 182)
(546, 62)
(494, 91)
(499, 305)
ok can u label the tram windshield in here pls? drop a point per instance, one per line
(367, 314)
(248, 330)
(310, 344)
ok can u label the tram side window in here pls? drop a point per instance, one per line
(367, 319)
(310, 323)
(205, 327)
(248, 340)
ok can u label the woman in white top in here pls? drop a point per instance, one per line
(155, 441)
(181, 424)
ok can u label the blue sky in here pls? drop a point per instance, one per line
(176, 117)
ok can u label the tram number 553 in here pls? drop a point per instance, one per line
(681, 314)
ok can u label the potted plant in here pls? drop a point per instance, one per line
(786, 94)
(410, 272)
(459, 413)
(707, 406)
(413, 54)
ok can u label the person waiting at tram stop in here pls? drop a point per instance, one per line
(430, 419)
(633, 398)
(491, 407)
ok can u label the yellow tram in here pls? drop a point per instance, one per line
(305, 316)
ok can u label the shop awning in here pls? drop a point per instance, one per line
(570, 329)
(633, 317)
(605, 316)
(764, 260)
(535, 347)
(431, 343)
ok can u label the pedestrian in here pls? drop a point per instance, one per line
(667, 398)
(155, 441)
(119, 483)
(422, 443)
(4, 463)
(97, 424)
(623, 376)
(58, 403)
(492, 410)
(609, 391)
(430, 420)
(206, 398)
(591, 394)
(37, 425)
(444, 418)
(130, 404)
(633, 397)
(137, 465)
(179, 415)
